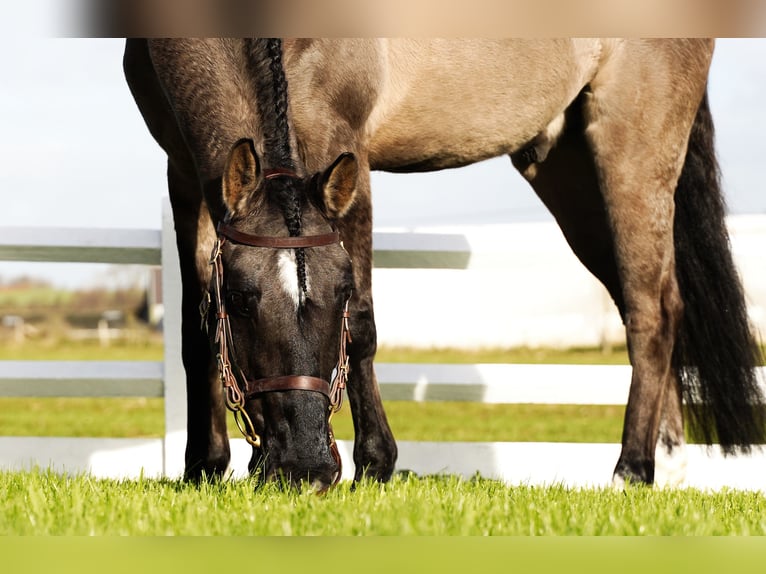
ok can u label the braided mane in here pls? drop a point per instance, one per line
(265, 59)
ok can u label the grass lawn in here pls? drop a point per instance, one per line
(438, 421)
(64, 350)
(45, 503)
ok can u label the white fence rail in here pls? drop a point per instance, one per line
(530, 463)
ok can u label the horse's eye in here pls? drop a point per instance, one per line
(238, 303)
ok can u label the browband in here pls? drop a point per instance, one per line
(278, 242)
(278, 172)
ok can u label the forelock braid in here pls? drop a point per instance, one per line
(289, 200)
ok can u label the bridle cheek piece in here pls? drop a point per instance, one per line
(237, 388)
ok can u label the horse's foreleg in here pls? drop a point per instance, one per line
(207, 447)
(374, 446)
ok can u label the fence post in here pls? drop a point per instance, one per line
(174, 377)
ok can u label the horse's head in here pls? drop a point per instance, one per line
(279, 290)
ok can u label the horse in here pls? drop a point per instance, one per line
(270, 145)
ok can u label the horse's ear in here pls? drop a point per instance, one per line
(338, 185)
(240, 175)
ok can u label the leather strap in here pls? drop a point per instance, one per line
(278, 242)
(287, 383)
(237, 389)
(279, 172)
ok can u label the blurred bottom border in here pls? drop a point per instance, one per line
(382, 554)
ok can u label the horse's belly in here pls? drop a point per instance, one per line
(450, 103)
(431, 145)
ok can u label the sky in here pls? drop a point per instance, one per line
(74, 151)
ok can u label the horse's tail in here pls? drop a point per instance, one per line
(716, 353)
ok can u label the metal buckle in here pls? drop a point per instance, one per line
(245, 426)
(216, 251)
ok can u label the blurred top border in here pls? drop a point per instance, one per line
(424, 18)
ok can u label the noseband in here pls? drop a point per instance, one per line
(238, 389)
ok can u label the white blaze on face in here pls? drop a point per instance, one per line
(288, 276)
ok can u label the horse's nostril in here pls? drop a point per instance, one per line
(320, 487)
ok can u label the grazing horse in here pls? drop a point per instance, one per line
(268, 140)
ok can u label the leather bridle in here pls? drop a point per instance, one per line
(237, 388)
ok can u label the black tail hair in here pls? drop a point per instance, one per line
(716, 353)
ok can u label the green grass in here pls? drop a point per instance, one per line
(141, 417)
(46, 503)
(56, 349)
(448, 421)
(151, 350)
(519, 355)
(82, 417)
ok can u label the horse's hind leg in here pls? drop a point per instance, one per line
(567, 181)
(639, 138)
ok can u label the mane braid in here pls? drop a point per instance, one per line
(265, 58)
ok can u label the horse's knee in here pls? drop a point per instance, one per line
(364, 335)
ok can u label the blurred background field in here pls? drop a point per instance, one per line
(41, 322)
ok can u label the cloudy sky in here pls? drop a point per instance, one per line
(74, 151)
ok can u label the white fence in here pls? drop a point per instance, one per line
(529, 463)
